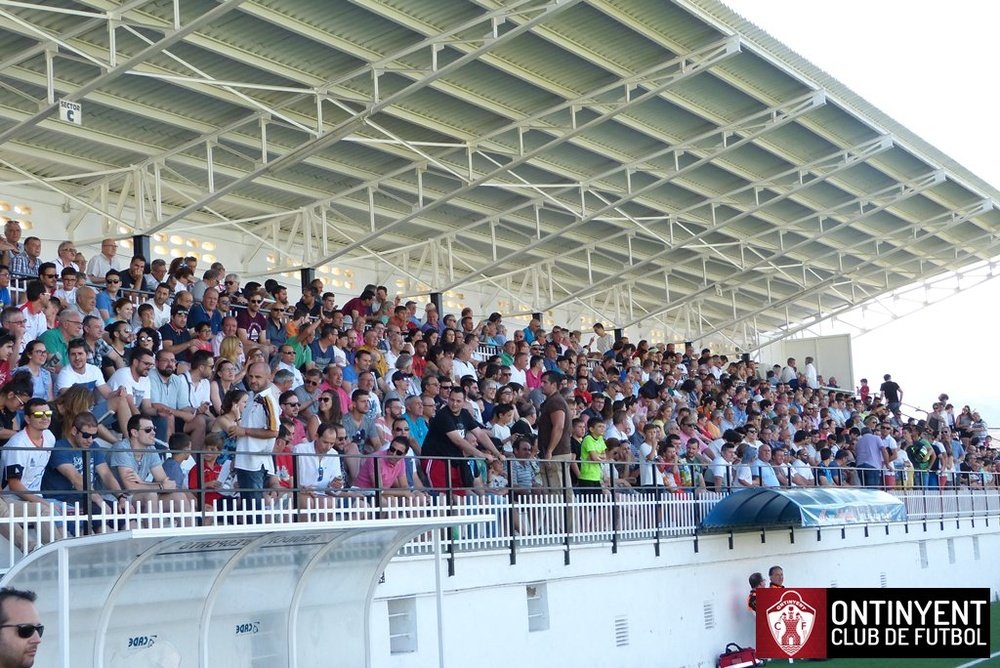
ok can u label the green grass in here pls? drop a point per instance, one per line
(923, 663)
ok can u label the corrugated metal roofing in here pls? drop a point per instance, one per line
(625, 146)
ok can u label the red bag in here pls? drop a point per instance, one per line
(738, 657)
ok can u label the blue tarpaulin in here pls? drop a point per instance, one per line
(764, 508)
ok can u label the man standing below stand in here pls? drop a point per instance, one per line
(777, 577)
(20, 628)
(255, 435)
(555, 426)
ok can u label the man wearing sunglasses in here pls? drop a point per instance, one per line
(252, 325)
(24, 460)
(391, 474)
(64, 478)
(137, 464)
(20, 628)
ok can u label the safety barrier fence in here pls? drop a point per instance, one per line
(516, 518)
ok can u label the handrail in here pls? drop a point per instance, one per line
(525, 516)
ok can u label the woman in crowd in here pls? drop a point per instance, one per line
(224, 379)
(231, 350)
(33, 361)
(148, 338)
(327, 412)
(122, 311)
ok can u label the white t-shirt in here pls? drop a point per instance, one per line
(460, 369)
(648, 470)
(34, 325)
(501, 432)
(91, 377)
(139, 389)
(518, 376)
(161, 316)
(801, 468)
(28, 465)
(310, 463)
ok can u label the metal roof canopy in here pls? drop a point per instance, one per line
(635, 159)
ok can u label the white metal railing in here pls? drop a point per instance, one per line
(532, 520)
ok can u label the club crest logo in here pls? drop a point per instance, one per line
(791, 621)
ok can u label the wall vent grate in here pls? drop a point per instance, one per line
(709, 612)
(923, 554)
(621, 631)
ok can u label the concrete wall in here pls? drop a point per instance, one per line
(678, 610)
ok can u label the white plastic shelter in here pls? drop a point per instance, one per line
(297, 596)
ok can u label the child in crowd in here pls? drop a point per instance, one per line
(179, 445)
(217, 478)
(503, 416)
(67, 293)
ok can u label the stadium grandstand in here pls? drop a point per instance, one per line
(266, 264)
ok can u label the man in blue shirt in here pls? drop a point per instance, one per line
(64, 478)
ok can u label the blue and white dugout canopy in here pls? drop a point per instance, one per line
(646, 159)
(764, 508)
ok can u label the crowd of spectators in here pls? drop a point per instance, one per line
(188, 386)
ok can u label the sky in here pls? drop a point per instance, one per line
(930, 66)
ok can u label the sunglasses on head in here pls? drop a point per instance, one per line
(25, 631)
